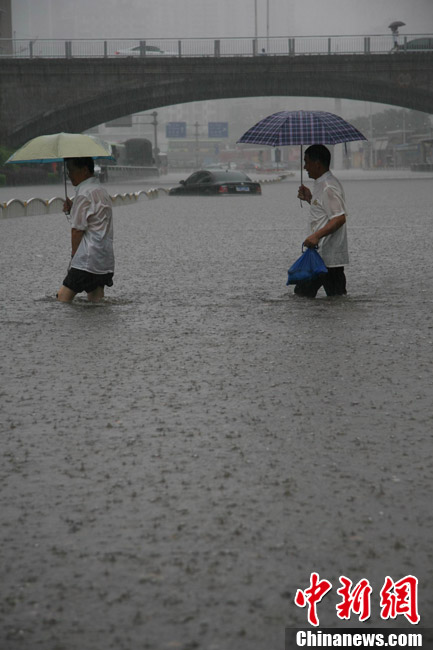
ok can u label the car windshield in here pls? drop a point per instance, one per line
(230, 176)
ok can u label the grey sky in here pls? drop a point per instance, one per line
(211, 18)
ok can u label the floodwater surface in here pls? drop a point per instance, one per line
(178, 460)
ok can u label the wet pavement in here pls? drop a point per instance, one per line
(178, 460)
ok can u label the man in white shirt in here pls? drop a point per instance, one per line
(92, 258)
(327, 224)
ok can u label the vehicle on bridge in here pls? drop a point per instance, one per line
(145, 50)
(205, 182)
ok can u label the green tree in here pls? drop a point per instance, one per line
(4, 155)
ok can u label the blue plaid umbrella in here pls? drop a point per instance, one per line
(301, 127)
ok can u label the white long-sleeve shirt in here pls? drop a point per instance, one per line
(92, 212)
(328, 201)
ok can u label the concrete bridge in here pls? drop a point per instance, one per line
(49, 95)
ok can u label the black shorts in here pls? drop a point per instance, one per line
(334, 283)
(78, 280)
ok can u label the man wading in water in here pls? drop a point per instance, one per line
(327, 222)
(92, 255)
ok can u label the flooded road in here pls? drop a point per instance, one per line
(178, 460)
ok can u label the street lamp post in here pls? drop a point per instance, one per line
(197, 144)
(255, 41)
(256, 26)
(155, 132)
(267, 26)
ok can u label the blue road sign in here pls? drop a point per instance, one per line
(175, 130)
(218, 129)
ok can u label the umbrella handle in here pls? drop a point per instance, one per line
(301, 164)
(64, 176)
(66, 191)
(300, 201)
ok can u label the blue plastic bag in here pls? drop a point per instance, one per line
(306, 267)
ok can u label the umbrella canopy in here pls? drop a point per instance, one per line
(395, 25)
(301, 127)
(57, 147)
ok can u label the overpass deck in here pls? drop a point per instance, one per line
(72, 93)
(220, 47)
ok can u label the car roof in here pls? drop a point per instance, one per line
(151, 48)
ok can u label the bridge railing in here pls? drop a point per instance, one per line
(205, 47)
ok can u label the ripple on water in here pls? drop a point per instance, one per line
(82, 301)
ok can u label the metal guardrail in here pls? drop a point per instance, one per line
(37, 206)
(205, 47)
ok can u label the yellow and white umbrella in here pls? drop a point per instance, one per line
(59, 146)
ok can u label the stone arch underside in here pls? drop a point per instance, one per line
(83, 114)
(144, 89)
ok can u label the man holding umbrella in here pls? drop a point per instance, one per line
(327, 219)
(327, 222)
(92, 255)
(92, 260)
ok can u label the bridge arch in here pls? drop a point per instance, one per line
(51, 95)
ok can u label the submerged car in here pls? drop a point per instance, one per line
(217, 182)
(145, 50)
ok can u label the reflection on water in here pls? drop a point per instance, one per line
(204, 422)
